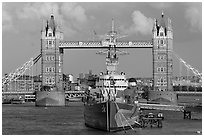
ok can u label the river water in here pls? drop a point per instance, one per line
(26, 119)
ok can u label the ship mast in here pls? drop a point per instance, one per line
(112, 52)
(111, 58)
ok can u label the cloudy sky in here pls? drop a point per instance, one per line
(22, 23)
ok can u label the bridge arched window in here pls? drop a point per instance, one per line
(50, 80)
(47, 58)
(158, 69)
(53, 58)
(53, 69)
(47, 69)
(164, 69)
(162, 41)
(49, 42)
(53, 80)
(161, 34)
(50, 34)
(46, 80)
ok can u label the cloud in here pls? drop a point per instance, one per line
(7, 22)
(161, 5)
(37, 10)
(141, 24)
(71, 16)
(75, 12)
(193, 14)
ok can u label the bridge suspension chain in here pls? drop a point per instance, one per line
(20, 71)
(189, 67)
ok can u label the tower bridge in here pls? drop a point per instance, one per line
(52, 46)
(52, 50)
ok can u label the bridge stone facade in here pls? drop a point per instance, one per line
(52, 92)
(162, 62)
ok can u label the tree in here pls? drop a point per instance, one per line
(145, 93)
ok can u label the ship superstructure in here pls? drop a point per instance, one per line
(111, 81)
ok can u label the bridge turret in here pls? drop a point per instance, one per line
(51, 66)
(169, 29)
(162, 60)
(52, 24)
(162, 22)
(155, 28)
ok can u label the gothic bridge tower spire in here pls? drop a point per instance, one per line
(162, 62)
(52, 92)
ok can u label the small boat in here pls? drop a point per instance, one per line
(103, 108)
(6, 101)
(17, 101)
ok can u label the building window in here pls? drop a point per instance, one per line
(53, 69)
(161, 34)
(161, 41)
(161, 69)
(164, 69)
(158, 69)
(53, 58)
(47, 69)
(50, 35)
(50, 42)
(161, 57)
(47, 80)
(53, 80)
(50, 69)
(161, 82)
(50, 80)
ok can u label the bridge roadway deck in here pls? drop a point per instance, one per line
(102, 44)
(32, 92)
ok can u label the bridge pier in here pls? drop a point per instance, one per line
(163, 97)
(53, 98)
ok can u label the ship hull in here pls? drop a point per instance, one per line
(53, 98)
(106, 116)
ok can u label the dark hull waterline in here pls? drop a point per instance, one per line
(110, 116)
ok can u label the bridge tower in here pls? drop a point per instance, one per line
(52, 92)
(162, 62)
